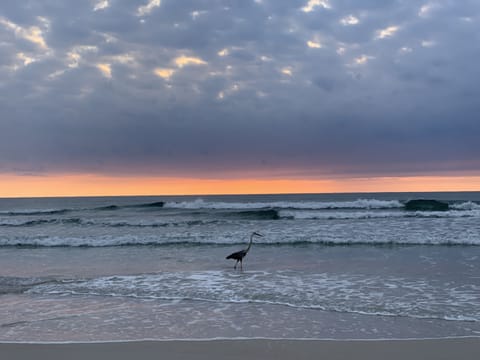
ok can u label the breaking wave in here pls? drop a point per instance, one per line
(201, 204)
(201, 212)
(134, 240)
(357, 215)
(306, 205)
(35, 212)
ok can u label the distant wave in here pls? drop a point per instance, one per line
(35, 212)
(372, 214)
(156, 204)
(107, 208)
(426, 205)
(266, 209)
(417, 205)
(37, 222)
(26, 223)
(200, 212)
(309, 205)
(154, 224)
(469, 205)
(105, 223)
(265, 214)
(111, 207)
(229, 216)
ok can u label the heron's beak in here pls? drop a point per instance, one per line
(258, 234)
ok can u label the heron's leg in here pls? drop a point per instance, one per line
(235, 266)
(241, 265)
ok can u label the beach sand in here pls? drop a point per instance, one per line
(457, 349)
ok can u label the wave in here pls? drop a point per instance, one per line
(106, 223)
(243, 207)
(469, 205)
(154, 224)
(306, 205)
(265, 214)
(133, 240)
(35, 212)
(228, 217)
(348, 293)
(156, 204)
(107, 208)
(358, 215)
(418, 207)
(111, 207)
(426, 205)
(26, 223)
(38, 222)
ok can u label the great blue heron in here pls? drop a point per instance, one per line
(239, 255)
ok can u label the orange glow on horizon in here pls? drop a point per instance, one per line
(96, 185)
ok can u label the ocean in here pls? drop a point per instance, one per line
(330, 266)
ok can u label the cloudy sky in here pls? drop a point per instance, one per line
(306, 89)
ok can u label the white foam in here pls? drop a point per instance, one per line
(97, 241)
(348, 293)
(333, 214)
(469, 205)
(240, 338)
(356, 204)
(372, 214)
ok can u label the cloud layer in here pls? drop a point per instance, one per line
(228, 88)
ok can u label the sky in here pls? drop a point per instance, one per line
(188, 96)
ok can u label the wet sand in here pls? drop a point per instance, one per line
(458, 349)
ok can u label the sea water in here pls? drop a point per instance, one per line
(330, 266)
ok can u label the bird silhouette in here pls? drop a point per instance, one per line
(239, 255)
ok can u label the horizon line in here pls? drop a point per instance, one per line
(239, 194)
(89, 185)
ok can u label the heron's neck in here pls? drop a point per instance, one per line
(250, 243)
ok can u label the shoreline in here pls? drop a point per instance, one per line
(216, 339)
(447, 348)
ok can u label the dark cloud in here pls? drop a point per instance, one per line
(360, 88)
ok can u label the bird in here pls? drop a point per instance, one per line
(239, 255)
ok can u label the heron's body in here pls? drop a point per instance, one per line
(239, 255)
